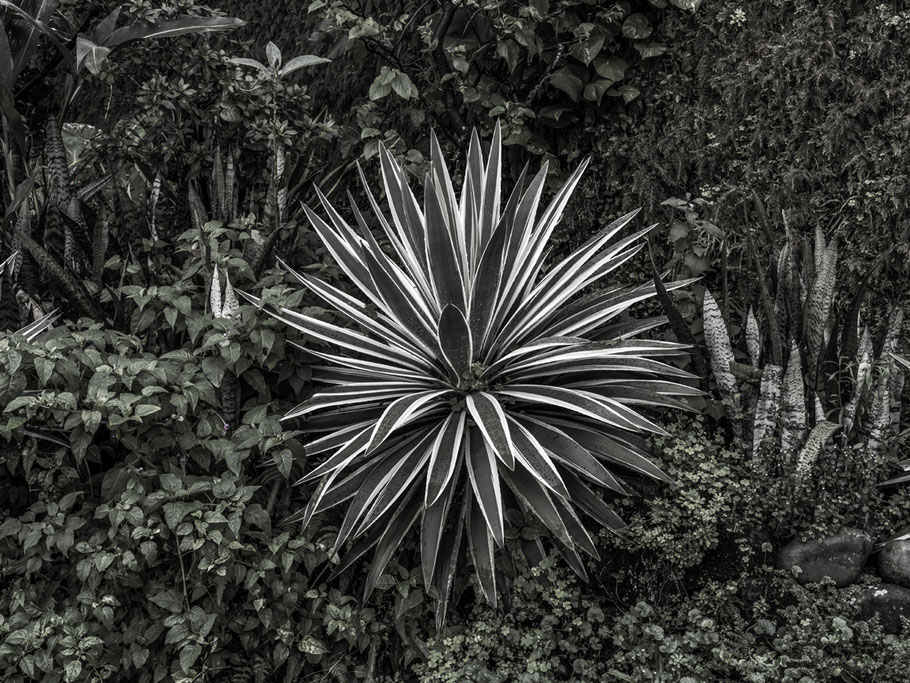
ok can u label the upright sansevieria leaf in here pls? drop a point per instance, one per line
(717, 340)
(472, 378)
(793, 409)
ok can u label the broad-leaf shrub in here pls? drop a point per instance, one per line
(473, 379)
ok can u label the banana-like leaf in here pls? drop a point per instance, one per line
(470, 376)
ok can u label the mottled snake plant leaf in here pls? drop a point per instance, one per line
(470, 377)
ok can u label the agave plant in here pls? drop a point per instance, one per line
(473, 379)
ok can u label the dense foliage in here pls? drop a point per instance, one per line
(158, 158)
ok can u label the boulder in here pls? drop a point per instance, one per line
(894, 563)
(888, 602)
(841, 556)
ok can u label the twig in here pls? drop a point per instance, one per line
(532, 93)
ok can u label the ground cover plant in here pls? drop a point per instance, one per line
(305, 376)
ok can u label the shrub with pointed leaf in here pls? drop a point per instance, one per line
(473, 379)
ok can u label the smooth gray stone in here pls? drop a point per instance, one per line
(841, 556)
(888, 602)
(894, 563)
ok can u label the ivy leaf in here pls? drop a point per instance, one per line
(588, 49)
(568, 82)
(188, 656)
(146, 409)
(636, 27)
(168, 599)
(284, 459)
(379, 88)
(612, 67)
(72, 670)
(403, 86)
(649, 50)
(594, 92)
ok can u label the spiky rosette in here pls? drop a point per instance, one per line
(472, 379)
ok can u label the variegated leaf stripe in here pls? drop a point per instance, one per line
(809, 453)
(753, 337)
(767, 409)
(718, 342)
(793, 405)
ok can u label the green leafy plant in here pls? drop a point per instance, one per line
(470, 385)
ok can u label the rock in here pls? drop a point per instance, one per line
(894, 563)
(888, 602)
(841, 556)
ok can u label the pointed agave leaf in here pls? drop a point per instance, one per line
(388, 543)
(432, 525)
(354, 309)
(486, 286)
(480, 542)
(577, 532)
(591, 504)
(400, 412)
(400, 459)
(455, 342)
(535, 459)
(565, 449)
(484, 475)
(446, 454)
(490, 419)
(34, 329)
(538, 502)
(583, 403)
(442, 255)
(350, 340)
(448, 559)
(618, 451)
